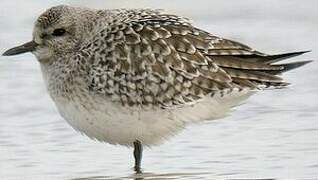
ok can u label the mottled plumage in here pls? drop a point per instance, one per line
(138, 76)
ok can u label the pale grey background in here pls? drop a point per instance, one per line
(274, 135)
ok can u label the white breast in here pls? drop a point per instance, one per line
(110, 122)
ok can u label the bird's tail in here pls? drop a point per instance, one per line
(257, 70)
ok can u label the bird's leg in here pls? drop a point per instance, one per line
(137, 155)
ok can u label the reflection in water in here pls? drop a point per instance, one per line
(152, 176)
(168, 176)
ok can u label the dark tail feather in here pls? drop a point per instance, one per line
(258, 70)
(279, 57)
(269, 59)
(288, 67)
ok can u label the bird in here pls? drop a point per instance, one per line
(137, 77)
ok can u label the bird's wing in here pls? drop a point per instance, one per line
(163, 59)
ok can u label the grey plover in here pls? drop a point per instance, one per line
(136, 77)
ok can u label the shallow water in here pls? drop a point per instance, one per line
(273, 135)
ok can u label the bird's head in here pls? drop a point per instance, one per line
(59, 30)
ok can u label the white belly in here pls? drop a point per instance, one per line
(111, 122)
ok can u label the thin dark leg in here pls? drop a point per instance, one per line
(137, 155)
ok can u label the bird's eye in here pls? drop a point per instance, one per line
(58, 32)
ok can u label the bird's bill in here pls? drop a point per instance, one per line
(27, 47)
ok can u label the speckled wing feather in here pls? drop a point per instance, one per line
(158, 59)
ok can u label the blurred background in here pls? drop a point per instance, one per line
(273, 135)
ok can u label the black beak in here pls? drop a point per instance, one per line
(27, 47)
